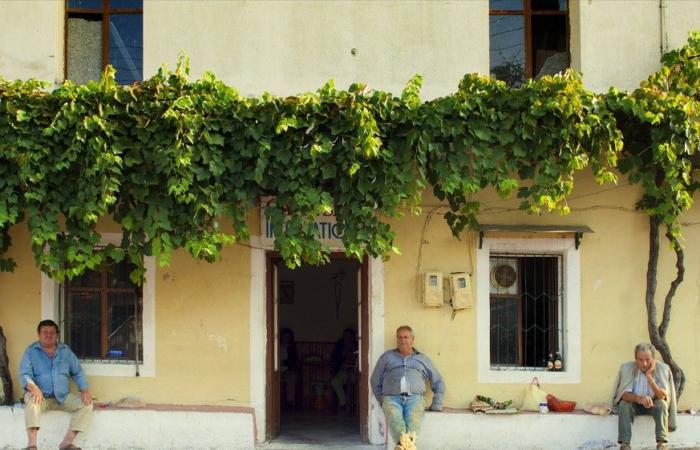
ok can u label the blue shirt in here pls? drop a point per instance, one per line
(415, 368)
(51, 375)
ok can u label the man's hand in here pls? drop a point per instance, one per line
(36, 392)
(650, 371)
(645, 401)
(86, 397)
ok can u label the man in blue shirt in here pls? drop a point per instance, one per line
(45, 372)
(398, 383)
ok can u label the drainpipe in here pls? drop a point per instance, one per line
(662, 25)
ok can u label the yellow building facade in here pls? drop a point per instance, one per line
(205, 326)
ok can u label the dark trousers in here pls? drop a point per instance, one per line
(627, 411)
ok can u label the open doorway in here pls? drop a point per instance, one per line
(317, 388)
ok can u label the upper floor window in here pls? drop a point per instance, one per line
(528, 39)
(101, 32)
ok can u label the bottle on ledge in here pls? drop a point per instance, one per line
(550, 362)
(558, 362)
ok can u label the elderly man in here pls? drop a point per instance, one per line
(45, 372)
(644, 386)
(398, 383)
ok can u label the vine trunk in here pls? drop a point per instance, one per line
(657, 335)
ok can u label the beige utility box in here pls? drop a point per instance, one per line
(461, 290)
(432, 289)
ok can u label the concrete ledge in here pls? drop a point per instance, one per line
(198, 427)
(465, 430)
(151, 427)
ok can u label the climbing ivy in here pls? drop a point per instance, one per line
(180, 163)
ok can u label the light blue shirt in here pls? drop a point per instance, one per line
(641, 386)
(51, 375)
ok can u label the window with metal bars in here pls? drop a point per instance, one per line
(528, 39)
(526, 310)
(101, 32)
(102, 314)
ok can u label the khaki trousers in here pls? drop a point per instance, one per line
(73, 404)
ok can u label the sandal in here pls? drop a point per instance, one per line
(69, 447)
(31, 447)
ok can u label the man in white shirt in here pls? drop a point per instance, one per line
(644, 387)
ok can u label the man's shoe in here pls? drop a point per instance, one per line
(662, 446)
(625, 446)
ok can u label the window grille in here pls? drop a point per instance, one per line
(526, 310)
(101, 313)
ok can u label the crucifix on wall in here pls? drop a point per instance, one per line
(337, 280)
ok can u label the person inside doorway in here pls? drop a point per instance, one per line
(344, 360)
(288, 365)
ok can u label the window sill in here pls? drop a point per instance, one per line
(518, 376)
(107, 368)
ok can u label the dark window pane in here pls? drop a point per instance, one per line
(118, 275)
(507, 49)
(84, 48)
(85, 4)
(506, 4)
(126, 47)
(89, 278)
(123, 333)
(113, 4)
(539, 300)
(83, 323)
(549, 5)
(524, 309)
(549, 46)
(504, 331)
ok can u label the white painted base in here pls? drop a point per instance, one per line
(461, 431)
(149, 429)
(143, 429)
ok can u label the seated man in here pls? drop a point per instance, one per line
(644, 386)
(398, 383)
(45, 372)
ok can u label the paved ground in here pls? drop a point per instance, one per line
(310, 431)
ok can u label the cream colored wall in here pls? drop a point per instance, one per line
(202, 327)
(613, 316)
(620, 41)
(202, 335)
(31, 40)
(292, 46)
(20, 300)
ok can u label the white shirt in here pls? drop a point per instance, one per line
(641, 385)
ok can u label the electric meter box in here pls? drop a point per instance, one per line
(461, 290)
(432, 289)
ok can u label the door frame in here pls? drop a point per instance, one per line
(272, 378)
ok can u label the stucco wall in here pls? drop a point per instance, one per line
(202, 328)
(294, 46)
(620, 41)
(288, 47)
(31, 40)
(20, 305)
(613, 316)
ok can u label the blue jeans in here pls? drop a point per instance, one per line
(403, 413)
